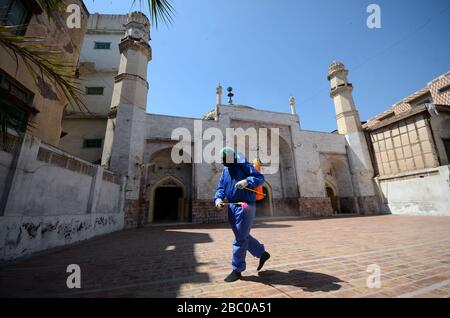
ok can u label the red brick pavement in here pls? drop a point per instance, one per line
(310, 258)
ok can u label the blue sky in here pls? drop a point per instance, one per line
(268, 50)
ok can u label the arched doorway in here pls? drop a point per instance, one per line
(331, 193)
(168, 202)
(264, 208)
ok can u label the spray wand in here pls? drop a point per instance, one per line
(255, 191)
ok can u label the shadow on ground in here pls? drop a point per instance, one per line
(135, 263)
(307, 281)
(145, 262)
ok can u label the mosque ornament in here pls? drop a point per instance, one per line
(230, 95)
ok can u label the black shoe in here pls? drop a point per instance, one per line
(234, 276)
(262, 260)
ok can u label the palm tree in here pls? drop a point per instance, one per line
(42, 61)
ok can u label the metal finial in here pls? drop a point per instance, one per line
(230, 95)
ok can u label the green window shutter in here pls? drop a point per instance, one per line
(94, 90)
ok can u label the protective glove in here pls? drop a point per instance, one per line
(219, 204)
(241, 184)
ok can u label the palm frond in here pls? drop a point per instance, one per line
(51, 7)
(42, 62)
(160, 10)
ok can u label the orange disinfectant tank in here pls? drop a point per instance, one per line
(259, 196)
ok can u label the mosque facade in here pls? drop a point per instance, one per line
(318, 174)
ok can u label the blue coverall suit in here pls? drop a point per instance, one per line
(240, 219)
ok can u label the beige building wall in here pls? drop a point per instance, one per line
(411, 150)
(84, 129)
(48, 103)
(413, 134)
(98, 68)
(406, 145)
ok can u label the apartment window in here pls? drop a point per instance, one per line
(102, 46)
(12, 116)
(92, 143)
(94, 90)
(15, 103)
(14, 13)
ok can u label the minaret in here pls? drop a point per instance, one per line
(349, 124)
(125, 134)
(341, 91)
(131, 86)
(219, 95)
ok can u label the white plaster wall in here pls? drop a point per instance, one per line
(80, 129)
(49, 206)
(53, 191)
(23, 235)
(128, 147)
(308, 146)
(275, 183)
(161, 126)
(205, 175)
(336, 171)
(247, 114)
(132, 92)
(105, 60)
(99, 104)
(139, 65)
(108, 201)
(361, 164)
(421, 194)
(161, 166)
(106, 22)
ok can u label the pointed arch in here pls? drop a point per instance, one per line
(329, 184)
(165, 182)
(267, 203)
(331, 192)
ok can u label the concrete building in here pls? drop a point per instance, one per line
(84, 132)
(410, 147)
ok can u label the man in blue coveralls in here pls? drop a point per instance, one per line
(237, 175)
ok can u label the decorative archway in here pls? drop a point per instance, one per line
(264, 208)
(169, 182)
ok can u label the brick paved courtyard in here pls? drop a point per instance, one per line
(310, 258)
